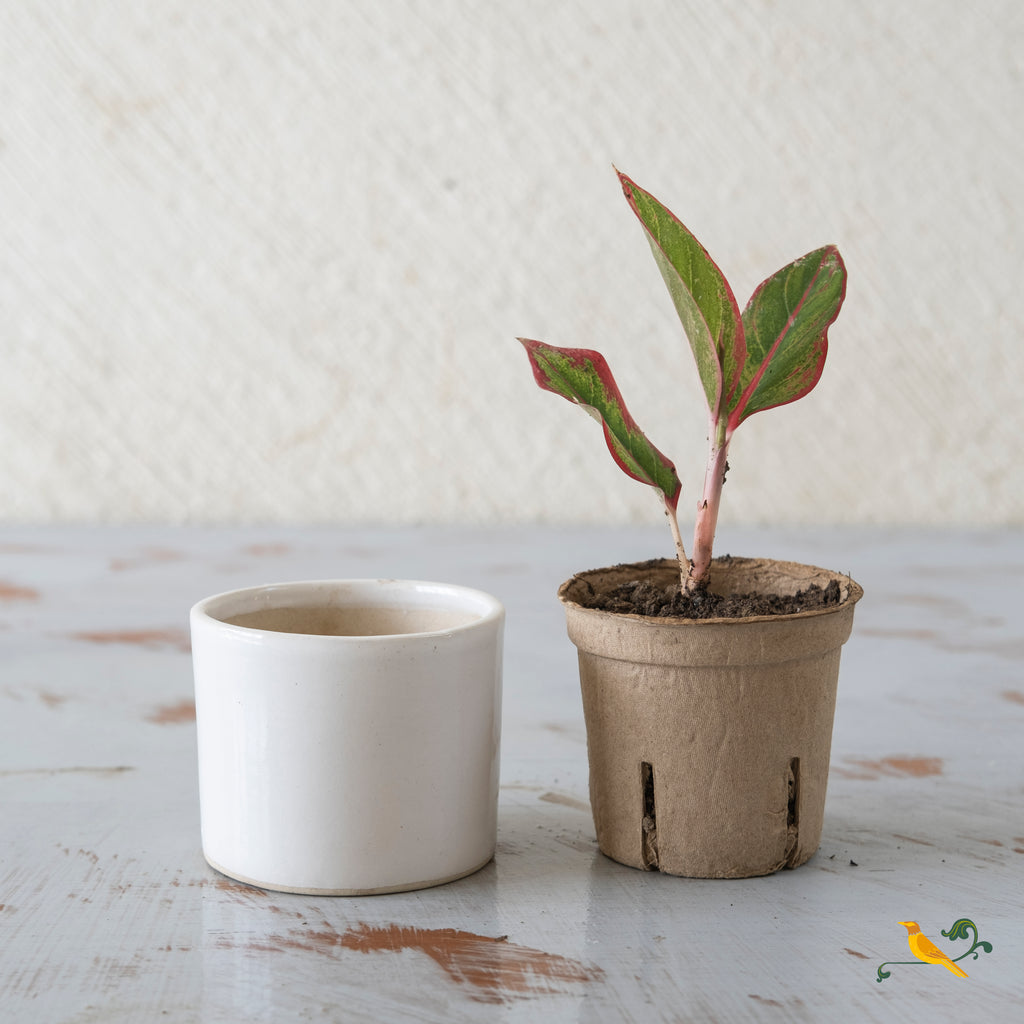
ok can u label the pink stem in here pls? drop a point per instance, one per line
(707, 510)
(673, 519)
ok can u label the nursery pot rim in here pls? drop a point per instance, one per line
(853, 593)
(217, 609)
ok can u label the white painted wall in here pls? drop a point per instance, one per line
(267, 260)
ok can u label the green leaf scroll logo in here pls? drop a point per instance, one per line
(928, 953)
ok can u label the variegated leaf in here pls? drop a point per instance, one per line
(700, 293)
(786, 324)
(582, 376)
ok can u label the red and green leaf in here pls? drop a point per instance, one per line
(582, 376)
(700, 293)
(786, 324)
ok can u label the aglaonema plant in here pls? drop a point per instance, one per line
(769, 355)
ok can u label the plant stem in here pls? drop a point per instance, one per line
(711, 499)
(684, 562)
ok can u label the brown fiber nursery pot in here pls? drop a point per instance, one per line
(709, 740)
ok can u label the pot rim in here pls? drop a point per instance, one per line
(853, 593)
(215, 610)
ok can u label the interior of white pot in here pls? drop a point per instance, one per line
(353, 608)
(320, 621)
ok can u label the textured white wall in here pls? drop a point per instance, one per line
(267, 260)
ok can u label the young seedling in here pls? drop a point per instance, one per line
(770, 354)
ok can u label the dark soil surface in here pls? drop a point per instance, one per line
(642, 597)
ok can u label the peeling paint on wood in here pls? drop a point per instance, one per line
(174, 714)
(15, 592)
(868, 769)
(564, 800)
(152, 639)
(148, 557)
(494, 969)
(911, 839)
(266, 550)
(77, 770)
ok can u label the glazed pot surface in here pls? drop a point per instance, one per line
(348, 733)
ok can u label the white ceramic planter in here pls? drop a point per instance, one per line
(348, 733)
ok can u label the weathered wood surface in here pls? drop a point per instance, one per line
(109, 913)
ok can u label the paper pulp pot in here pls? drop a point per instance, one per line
(348, 733)
(709, 740)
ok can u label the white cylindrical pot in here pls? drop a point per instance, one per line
(348, 733)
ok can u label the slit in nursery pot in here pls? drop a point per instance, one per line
(793, 811)
(649, 822)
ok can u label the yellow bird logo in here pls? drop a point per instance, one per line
(928, 953)
(924, 949)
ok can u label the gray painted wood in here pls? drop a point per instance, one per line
(109, 913)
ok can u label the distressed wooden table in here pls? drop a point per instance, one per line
(108, 912)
